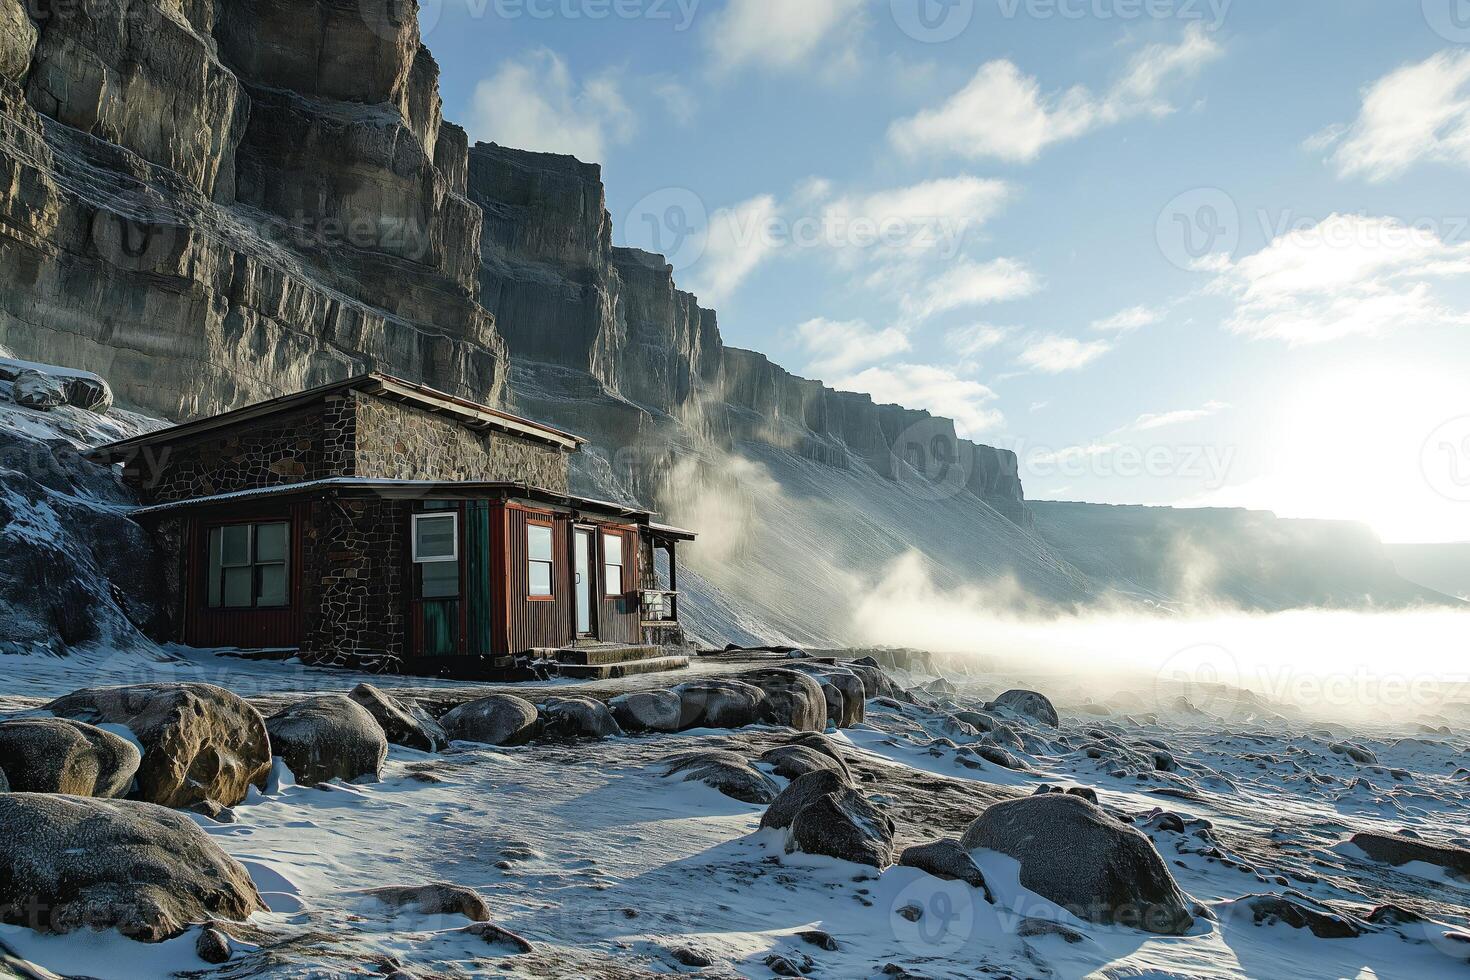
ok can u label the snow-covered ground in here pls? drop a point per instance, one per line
(610, 868)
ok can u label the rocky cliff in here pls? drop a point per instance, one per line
(214, 201)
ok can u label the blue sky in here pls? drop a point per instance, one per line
(1171, 251)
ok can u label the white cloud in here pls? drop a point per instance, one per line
(1003, 113)
(1129, 320)
(840, 347)
(533, 103)
(969, 283)
(676, 97)
(736, 242)
(1419, 112)
(935, 389)
(930, 218)
(1054, 355)
(1163, 420)
(1349, 275)
(975, 339)
(782, 34)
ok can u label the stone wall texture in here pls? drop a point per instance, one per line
(353, 586)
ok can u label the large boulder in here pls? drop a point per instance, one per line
(803, 791)
(791, 699)
(32, 389)
(500, 719)
(1396, 849)
(89, 392)
(843, 690)
(727, 772)
(17, 40)
(718, 703)
(843, 825)
(1074, 854)
(403, 721)
(577, 718)
(795, 761)
(60, 755)
(200, 742)
(647, 711)
(1027, 704)
(438, 898)
(326, 738)
(946, 859)
(71, 863)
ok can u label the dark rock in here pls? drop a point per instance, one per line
(819, 939)
(403, 721)
(843, 825)
(72, 863)
(1355, 752)
(1032, 928)
(691, 957)
(795, 761)
(726, 772)
(326, 738)
(647, 711)
(1028, 704)
(718, 703)
(496, 936)
(200, 742)
(438, 898)
(788, 965)
(1398, 849)
(60, 755)
(791, 699)
(88, 392)
(570, 718)
(212, 946)
(500, 719)
(947, 860)
(803, 791)
(1298, 912)
(844, 691)
(32, 389)
(1072, 853)
(998, 756)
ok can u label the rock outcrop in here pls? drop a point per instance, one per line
(326, 738)
(500, 719)
(71, 863)
(200, 742)
(403, 721)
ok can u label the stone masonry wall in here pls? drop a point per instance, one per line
(315, 443)
(398, 442)
(354, 591)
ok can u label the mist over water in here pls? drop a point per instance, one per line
(1389, 666)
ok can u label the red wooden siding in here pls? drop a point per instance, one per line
(619, 616)
(244, 628)
(532, 623)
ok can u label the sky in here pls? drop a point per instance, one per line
(1191, 252)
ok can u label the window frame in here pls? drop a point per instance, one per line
(550, 527)
(621, 565)
(215, 577)
(435, 515)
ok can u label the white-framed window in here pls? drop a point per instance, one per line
(612, 563)
(542, 559)
(436, 554)
(248, 566)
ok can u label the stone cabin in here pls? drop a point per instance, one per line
(384, 525)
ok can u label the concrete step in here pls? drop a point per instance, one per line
(628, 668)
(602, 655)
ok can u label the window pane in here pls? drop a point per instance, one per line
(270, 542)
(540, 578)
(612, 575)
(214, 567)
(612, 546)
(440, 580)
(539, 540)
(272, 586)
(236, 549)
(239, 588)
(434, 538)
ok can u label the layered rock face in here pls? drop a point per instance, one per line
(567, 299)
(211, 202)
